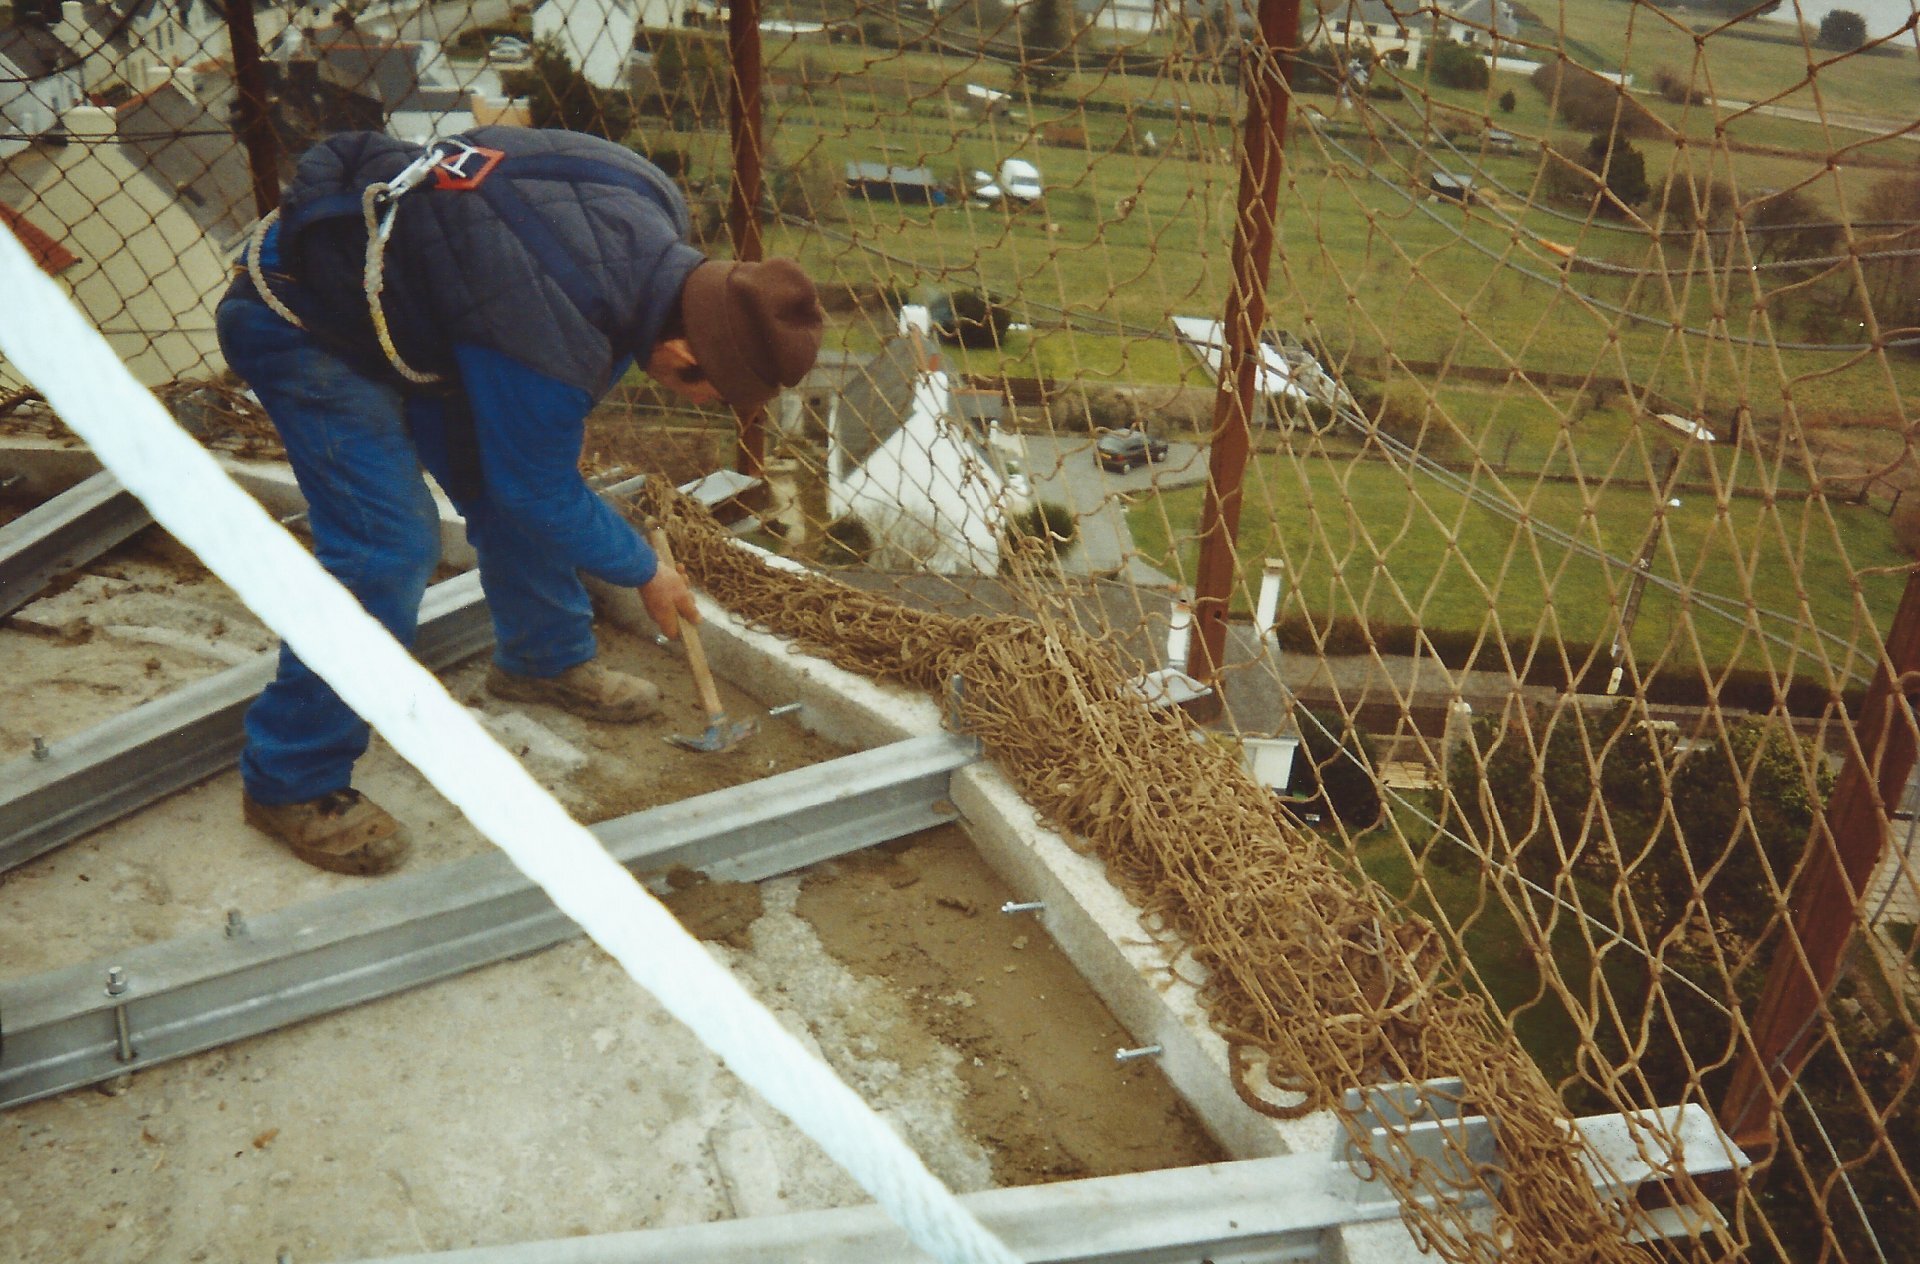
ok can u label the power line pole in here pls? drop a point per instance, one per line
(1843, 849)
(1269, 66)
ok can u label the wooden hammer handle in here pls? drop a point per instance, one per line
(696, 653)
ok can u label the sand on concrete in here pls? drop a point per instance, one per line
(542, 1097)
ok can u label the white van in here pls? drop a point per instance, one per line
(1019, 181)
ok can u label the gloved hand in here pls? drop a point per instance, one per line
(669, 599)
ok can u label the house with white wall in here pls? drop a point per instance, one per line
(905, 461)
(39, 81)
(598, 35)
(137, 43)
(152, 217)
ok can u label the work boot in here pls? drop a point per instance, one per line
(586, 689)
(344, 832)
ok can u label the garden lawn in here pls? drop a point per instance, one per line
(1368, 540)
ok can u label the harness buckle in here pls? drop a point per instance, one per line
(466, 169)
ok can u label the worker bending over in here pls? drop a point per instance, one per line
(461, 308)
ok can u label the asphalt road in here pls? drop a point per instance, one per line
(1062, 470)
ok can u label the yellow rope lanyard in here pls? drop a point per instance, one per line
(378, 197)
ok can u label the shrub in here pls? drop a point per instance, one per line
(846, 542)
(1674, 87)
(693, 74)
(1406, 413)
(1508, 102)
(1334, 768)
(1455, 65)
(1590, 103)
(1565, 178)
(971, 318)
(808, 188)
(1049, 520)
(1623, 168)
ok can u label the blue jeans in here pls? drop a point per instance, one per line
(350, 436)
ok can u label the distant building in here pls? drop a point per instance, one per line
(883, 183)
(1377, 28)
(1451, 188)
(1488, 25)
(906, 459)
(39, 81)
(152, 214)
(1368, 29)
(598, 35)
(345, 79)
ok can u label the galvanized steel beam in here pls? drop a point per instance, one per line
(1257, 1211)
(63, 533)
(119, 766)
(87, 1023)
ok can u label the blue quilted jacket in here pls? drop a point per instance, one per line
(531, 292)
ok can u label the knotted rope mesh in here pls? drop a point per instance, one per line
(1574, 513)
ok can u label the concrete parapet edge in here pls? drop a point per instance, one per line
(1097, 927)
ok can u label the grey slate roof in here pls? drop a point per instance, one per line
(1381, 13)
(1494, 15)
(193, 154)
(877, 400)
(34, 51)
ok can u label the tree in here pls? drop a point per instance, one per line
(1686, 206)
(1842, 30)
(1046, 30)
(1892, 283)
(1508, 102)
(1789, 225)
(1623, 168)
(560, 96)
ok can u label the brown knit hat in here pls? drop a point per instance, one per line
(754, 327)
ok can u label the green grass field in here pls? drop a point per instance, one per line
(1369, 540)
(1370, 268)
(1359, 262)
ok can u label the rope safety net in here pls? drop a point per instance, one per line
(1558, 517)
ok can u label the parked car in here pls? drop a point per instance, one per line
(1018, 182)
(1121, 450)
(509, 50)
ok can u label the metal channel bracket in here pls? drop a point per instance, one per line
(60, 534)
(123, 764)
(62, 1029)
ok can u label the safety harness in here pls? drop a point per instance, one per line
(458, 165)
(453, 164)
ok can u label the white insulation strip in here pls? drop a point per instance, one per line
(50, 342)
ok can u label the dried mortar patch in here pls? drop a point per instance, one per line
(1044, 1093)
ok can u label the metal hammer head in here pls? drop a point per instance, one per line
(722, 734)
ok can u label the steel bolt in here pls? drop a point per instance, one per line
(785, 708)
(116, 980)
(1144, 1051)
(40, 748)
(236, 924)
(1023, 906)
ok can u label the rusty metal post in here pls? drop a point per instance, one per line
(250, 109)
(1269, 66)
(1844, 847)
(743, 205)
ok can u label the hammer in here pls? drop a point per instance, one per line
(722, 734)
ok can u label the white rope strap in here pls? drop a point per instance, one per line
(255, 243)
(51, 344)
(378, 229)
